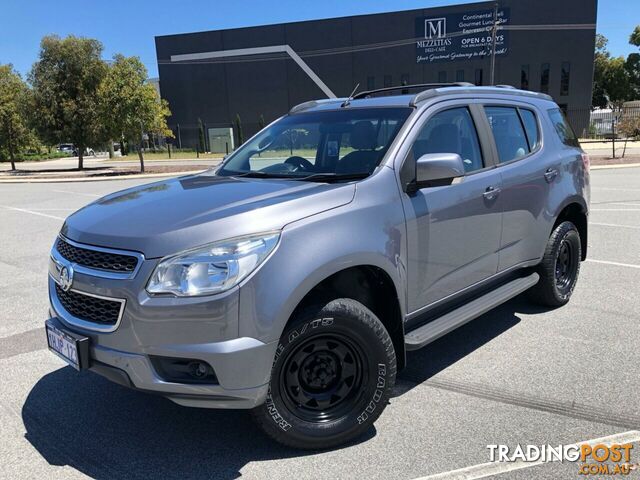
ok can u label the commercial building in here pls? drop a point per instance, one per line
(259, 73)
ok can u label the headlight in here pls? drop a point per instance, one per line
(213, 268)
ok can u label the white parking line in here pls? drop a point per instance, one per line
(635, 227)
(625, 203)
(617, 189)
(15, 209)
(483, 470)
(615, 210)
(617, 264)
(77, 193)
(53, 209)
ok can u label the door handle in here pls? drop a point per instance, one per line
(491, 193)
(551, 174)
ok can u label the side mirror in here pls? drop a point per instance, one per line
(438, 167)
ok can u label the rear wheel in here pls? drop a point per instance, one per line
(334, 369)
(559, 268)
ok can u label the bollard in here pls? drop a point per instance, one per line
(613, 135)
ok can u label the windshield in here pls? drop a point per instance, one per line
(347, 143)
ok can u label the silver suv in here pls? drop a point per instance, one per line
(292, 279)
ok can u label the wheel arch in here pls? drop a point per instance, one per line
(370, 285)
(575, 210)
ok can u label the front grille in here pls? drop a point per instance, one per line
(111, 262)
(90, 309)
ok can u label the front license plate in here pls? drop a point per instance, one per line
(70, 347)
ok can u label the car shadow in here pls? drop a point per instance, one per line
(107, 431)
(434, 358)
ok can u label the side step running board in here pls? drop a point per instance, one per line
(437, 328)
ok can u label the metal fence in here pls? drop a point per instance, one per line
(600, 124)
(605, 123)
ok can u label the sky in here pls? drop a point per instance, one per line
(129, 27)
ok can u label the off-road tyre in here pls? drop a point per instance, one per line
(332, 375)
(559, 267)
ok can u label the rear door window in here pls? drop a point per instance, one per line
(563, 129)
(508, 132)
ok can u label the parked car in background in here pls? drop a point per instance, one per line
(71, 149)
(292, 279)
(67, 148)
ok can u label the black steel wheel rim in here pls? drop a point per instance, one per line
(321, 378)
(566, 266)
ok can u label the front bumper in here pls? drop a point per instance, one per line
(236, 363)
(149, 330)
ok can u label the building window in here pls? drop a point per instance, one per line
(544, 78)
(478, 76)
(564, 78)
(524, 77)
(371, 83)
(388, 82)
(442, 77)
(460, 76)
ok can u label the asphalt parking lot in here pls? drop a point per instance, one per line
(518, 374)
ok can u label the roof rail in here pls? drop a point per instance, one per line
(502, 89)
(313, 103)
(367, 93)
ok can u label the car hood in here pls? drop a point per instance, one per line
(167, 217)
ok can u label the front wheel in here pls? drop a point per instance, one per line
(559, 267)
(334, 369)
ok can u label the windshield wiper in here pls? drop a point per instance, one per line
(314, 177)
(333, 177)
(259, 174)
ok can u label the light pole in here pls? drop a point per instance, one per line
(492, 71)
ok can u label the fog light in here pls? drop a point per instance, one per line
(198, 369)
(183, 370)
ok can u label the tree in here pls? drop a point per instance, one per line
(600, 62)
(634, 38)
(201, 143)
(129, 106)
(239, 131)
(617, 82)
(65, 83)
(611, 80)
(14, 132)
(633, 63)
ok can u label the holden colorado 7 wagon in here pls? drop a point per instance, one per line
(292, 279)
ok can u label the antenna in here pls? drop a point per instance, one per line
(348, 100)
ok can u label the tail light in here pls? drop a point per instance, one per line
(586, 162)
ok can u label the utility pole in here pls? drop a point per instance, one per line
(492, 74)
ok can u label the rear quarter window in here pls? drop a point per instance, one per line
(531, 128)
(562, 128)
